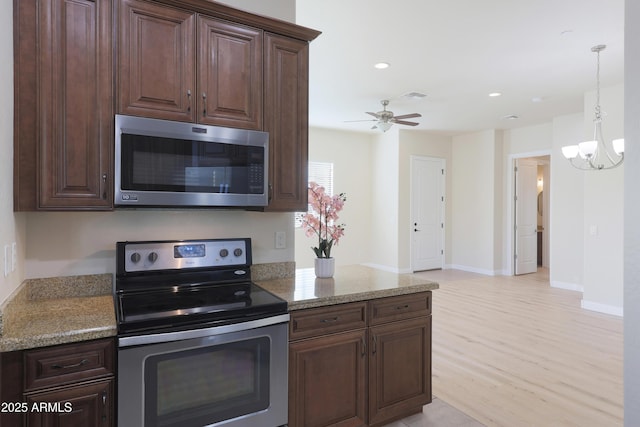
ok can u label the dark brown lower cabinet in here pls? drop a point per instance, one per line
(360, 364)
(81, 405)
(66, 385)
(328, 386)
(399, 369)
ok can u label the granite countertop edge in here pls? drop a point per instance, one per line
(360, 296)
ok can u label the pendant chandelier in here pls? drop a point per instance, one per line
(595, 154)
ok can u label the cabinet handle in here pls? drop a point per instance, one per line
(363, 344)
(104, 186)
(375, 345)
(204, 104)
(402, 307)
(270, 192)
(104, 403)
(189, 100)
(333, 319)
(75, 365)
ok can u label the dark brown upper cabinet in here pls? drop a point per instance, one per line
(63, 128)
(180, 65)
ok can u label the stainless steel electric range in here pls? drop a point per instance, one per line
(199, 344)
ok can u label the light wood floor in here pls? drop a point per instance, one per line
(512, 351)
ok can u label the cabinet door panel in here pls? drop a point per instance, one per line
(399, 368)
(286, 119)
(81, 405)
(327, 380)
(157, 61)
(230, 74)
(75, 103)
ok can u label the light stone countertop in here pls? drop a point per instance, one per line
(349, 284)
(46, 312)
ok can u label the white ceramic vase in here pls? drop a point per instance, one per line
(325, 267)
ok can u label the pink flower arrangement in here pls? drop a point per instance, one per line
(321, 221)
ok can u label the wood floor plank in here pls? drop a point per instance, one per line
(512, 351)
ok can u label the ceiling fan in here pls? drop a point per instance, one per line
(385, 118)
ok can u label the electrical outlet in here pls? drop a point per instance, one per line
(14, 256)
(281, 240)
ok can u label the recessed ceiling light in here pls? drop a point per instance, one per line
(381, 65)
(536, 99)
(495, 94)
(510, 117)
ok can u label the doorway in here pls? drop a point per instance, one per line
(427, 213)
(530, 213)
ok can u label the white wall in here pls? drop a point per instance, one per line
(72, 243)
(566, 263)
(385, 197)
(12, 226)
(631, 213)
(473, 202)
(279, 9)
(603, 211)
(351, 155)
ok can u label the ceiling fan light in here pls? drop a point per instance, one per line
(384, 126)
(618, 146)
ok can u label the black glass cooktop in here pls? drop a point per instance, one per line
(204, 305)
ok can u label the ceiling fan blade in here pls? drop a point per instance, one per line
(408, 116)
(376, 115)
(365, 120)
(402, 122)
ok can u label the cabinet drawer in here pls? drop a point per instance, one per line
(68, 363)
(400, 307)
(326, 320)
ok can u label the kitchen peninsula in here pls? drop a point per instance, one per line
(362, 341)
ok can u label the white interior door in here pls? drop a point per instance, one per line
(427, 213)
(526, 216)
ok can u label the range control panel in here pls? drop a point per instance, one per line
(182, 254)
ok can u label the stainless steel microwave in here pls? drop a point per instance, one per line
(162, 163)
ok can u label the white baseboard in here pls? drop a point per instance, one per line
(567, 286)
(473, 270)
(602, 308)
(388, 268)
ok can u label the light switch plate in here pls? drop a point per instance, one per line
(7, 260)
(281, 240)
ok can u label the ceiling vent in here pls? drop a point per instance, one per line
(414, 95)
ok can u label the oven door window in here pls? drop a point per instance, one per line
(205, 385)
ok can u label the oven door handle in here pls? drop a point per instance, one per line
(203, 332)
